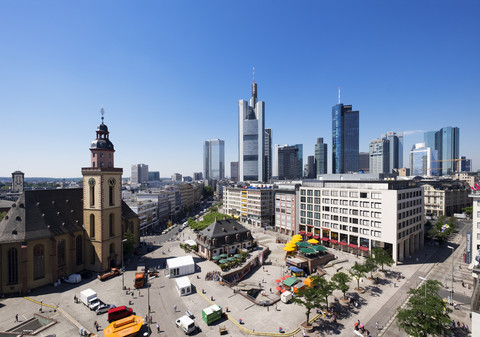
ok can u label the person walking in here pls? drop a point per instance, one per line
(16, 318)
(158, 328)
(376, 325)
(175, 308)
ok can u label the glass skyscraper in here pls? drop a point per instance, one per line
(251, 138)
(290, 162)
(446, 142)
(345, 138)
(396, 149)
(214, 159)
(268, 154)
(321, 157)
(423, 161)
(379, 152)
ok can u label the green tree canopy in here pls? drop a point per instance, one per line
(370, 265)
(468, 210)
(425, 315)
(358, 271)
(442, 229)
(208, 191)
(309, 298)
(325, 288)
(128, 245)
(208, 219)
(341, 281)
(382, 257)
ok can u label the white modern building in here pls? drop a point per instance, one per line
(251, 138)
(379, 156)
(214, 159)
(423, 161)
(475, 263)
(360, 214)
(285, 209)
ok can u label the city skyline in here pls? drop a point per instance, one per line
(170, 74)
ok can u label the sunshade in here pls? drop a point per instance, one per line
(307, 250)
(278, 280)
(283, 290)
(290, 281)
(313, 241)
(303, 244)
(238, 256)
(279, 288)
(230, 259)
(282, 278)
(223, 261)
(287, 276)
(223, 255)
(216, 257)
(288, 249)
(320, 248)
(297, 236)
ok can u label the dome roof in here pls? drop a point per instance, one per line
(102, 127)
(102, 144)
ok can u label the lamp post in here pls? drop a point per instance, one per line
(453, 249)
(123, 267)
(425, 282)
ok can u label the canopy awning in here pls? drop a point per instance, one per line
(316, 237)
(295, 269)
(343, 243)
(365, 249)
(307, 250)
(290, 281)
(309, 234)
(301, 232)
(333, 241)
(352, 245)
(320, 248)
(303, 244)
(325, 239)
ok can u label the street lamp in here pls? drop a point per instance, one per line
(123, 267)
(425, 282)
(453, 249)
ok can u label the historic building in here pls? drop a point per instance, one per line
(50, 234)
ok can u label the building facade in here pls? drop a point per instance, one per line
(445, 197)
(153, 176)
(268, 155)
(176, 177)
(139, 175)
(395, 140)
(311, 169)
(423, 161)
(446, 142)
(290, 162)
(379, 152)
(364, 162)
(321, 155)
(214, 159)
(345, 139)
(251, 138)
(364, 215)
(285, 210)
(234, 171)
(252, 205)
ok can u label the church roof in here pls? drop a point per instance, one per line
(220, 230)
(39, 214)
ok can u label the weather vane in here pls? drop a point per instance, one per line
(102, 112)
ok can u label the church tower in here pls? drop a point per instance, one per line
(102, 204)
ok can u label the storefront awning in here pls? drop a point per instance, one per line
(316, 237)
(363, 248)
(309, 234)
(301, 232)
(352, 245)
(333, 241)
(342, 243)
(325, 239)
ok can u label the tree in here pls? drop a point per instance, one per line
(309, 298)
(208, 191)
(358, 271)
(341, 281)
(425, 315)
(382, 257)
(370, 265)
(324, 287)
(2, 214)
(468, 210)
(128, 245)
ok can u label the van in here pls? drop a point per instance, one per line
(186, 324)
(118, 313)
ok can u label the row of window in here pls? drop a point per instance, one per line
(336, 193)
(409, 222)
(409, 231)
(111, 225)
(411, 203)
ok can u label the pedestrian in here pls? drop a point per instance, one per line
(394, 284)
(175, 308)
(270, 290)
(417, 259)
(303, 333)
(158, 328)
(376, 324)
(263, 279)
(74, 298)
(16, 318)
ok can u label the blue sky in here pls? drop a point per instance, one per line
(170, 73)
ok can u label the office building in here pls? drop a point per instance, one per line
(234, 171)
(214, 159)
(321, 155)
(466, 164)
(197, 176)
(379, 156)
(423, 161)
(153, 176)
(345, 138)
(445, 197)
(139, 175)
(359, 215)
(364, 162)
(446, 142)
(395, 140)
(176, 177)
(285, 209)
(268, 154)
(251, 138)
(311, 169)
(290, 162)
(473, 258)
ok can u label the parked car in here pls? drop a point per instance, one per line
(103, 308)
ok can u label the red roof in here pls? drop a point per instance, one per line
(333, 241)
(352, 245)
(363, 248)
(325, 239)
(343, 243)
(301, 232)
(316, 237)
(309, 234)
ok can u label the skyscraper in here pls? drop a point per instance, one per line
(311, 169)
(290, 162)
(379, 155)
(446, 142)
(345, 138)
(251, 138)
(234, 170)
(214, 159)
(139, 174)
(321, 157)
(423, 161)
(396, 149)
(364, 162)
(466, 164)
(268, 154)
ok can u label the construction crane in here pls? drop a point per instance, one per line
(458, 160)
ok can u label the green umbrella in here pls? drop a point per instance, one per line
(307, 250)
(223, 255)
(231, 259)
(216, 257)
(320, 248)
(303, 244)
(222, 261)
(238, 256)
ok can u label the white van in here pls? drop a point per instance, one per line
(186, 324)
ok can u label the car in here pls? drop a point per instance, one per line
(103, 308)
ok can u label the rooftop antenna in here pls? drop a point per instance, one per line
(253, 74)
(102, 112)
(338, 95)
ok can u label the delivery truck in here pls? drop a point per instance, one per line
(139, 277)
(89, 298)
(212, 314)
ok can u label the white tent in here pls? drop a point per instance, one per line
(180, 266)
(183, 285)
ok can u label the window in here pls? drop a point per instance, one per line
(112, 249)
(376, 195)
(353, 194)
(478, 225)
(38, 262)
(92, 226)
(317, 193)
(310, 199)
(309, 193)
(302, 192)
(79, 249)
(111, 225)
(92, 196)
(110, 195)
(61, 253)
(12, 266)
(363, 195)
